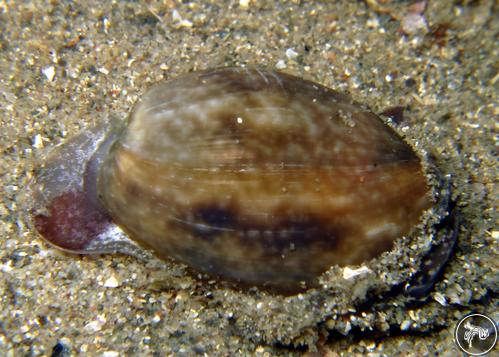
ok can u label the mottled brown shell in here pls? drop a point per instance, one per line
(260, 177)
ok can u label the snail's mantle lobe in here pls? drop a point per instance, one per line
(251, 175)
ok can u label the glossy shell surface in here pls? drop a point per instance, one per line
(255, 176)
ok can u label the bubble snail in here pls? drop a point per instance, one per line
(254, 176)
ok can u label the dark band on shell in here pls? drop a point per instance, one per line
(255, 176)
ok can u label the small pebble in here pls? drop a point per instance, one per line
(112, 282)
(280, 64)
(291, 53)
(49, 73)
(37, 141)
(103, 70)
(372, 23)
(349, 273)
(244, 3)
(440, 299)
(404, 326)
(95, 325)
(412, 23)
(110, 354)
(179, 20)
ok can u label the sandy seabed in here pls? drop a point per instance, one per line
(65, 66)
